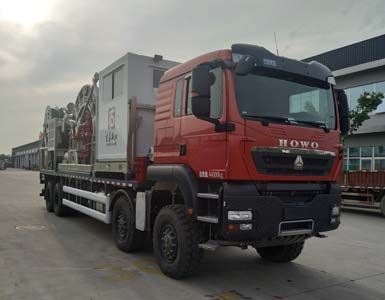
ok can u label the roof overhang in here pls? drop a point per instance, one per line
(359, 68)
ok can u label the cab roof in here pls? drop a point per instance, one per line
(224, 54)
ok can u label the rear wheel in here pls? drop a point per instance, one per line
(126, 236)
(281, 254)
(48, 196)
(383, 206)
(176, 242)
(59, 209)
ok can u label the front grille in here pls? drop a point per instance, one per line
(294, 197)
(282, 162)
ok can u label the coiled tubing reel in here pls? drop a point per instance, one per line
(49, 114)
(79, 125)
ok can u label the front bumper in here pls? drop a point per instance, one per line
(270, 211)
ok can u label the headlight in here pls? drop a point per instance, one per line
(239, 215)
(334, 220)
(245, 226)
(336, 211)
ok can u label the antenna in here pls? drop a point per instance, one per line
(276, 46)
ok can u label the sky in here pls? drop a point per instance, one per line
(50, 48)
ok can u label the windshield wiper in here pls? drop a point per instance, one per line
(289, 121)
(267, 119)
(318, 124)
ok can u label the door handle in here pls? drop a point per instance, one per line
(182, 149)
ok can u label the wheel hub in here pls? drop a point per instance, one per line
(169, 243)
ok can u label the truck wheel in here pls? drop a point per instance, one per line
(59, 209)
(383, 206)
(48, 196)
(176, 242)
(126, 236)
(281, 254)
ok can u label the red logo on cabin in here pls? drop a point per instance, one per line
(111, 118)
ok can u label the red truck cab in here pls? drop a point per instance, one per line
(243, 131)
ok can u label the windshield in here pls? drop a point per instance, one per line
(268, 97)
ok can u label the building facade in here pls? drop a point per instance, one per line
(360, 68)
(26, 156)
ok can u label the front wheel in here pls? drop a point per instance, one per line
(281, 254)
(176, 242)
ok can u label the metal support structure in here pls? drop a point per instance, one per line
(97, 197)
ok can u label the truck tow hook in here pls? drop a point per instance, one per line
(210, 245)
(213, 245)
(320, 235)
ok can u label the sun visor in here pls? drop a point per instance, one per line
(269, 63)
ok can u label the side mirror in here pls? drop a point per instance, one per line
(201, 107)
(245, 65)
(201, 81)
(343, 110)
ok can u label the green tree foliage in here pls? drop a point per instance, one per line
(309, 107)
(5, 157)
(366, 103)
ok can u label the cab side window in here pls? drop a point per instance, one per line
(188, 95)
(178, 100)
(216, 95)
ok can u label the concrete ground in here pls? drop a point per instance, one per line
(46, 257)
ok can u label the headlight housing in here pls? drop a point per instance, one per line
(336, 211)
(239, 215)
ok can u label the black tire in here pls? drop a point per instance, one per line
(281, 254)
(176, 242)
(382, 206)
(48, 196)
(59, 209)
(126, 236)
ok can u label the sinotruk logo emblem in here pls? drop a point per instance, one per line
(297, 144)
(298, 163)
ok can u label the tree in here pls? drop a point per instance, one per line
(366, 103)
(309, 107)
(5, 157)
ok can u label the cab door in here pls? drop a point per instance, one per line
(201, 147)
(168, 115)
